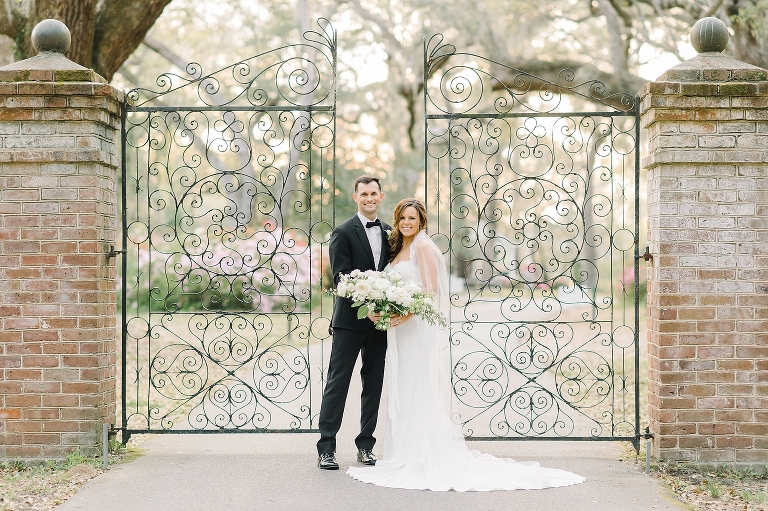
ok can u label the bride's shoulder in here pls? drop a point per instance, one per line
(422, 245)
(422, 241)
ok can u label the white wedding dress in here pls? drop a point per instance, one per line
(423, 448)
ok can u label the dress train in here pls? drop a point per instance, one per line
(423, 448)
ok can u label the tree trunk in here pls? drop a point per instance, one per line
(747, 48)
(102, 38)
(79, 16)
(120, 28)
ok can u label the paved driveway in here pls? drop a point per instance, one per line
(265, 472)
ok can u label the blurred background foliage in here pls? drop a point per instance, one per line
(379, 125)
(620, 42)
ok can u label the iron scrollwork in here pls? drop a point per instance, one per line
(228, 209)
(532, 185)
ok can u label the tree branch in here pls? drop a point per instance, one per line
(621, 12)
(746, 46)
(712, 9)
(693, 8)
(400, 60)
(164, 51)
(121, 25)
(7, 25)
(617, 50)
(549, 72)
(384, 29)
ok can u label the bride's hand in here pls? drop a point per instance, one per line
(397, 320)
(374, 316)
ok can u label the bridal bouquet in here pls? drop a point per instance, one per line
(385, 293)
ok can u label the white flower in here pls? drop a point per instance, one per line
(412, 288)
(393, 294)
(370, 286)
(362, 288)
(389, 232)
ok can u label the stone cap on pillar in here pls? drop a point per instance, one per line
(51, 38)
(709, 36)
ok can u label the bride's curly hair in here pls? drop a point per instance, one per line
(396, 237)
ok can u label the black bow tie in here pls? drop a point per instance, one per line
(375, 223)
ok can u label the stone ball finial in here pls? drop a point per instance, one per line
(51, 35)
(709, 35)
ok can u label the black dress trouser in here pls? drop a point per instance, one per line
(347, 344)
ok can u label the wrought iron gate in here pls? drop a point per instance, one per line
(228, 203)
(534, 198)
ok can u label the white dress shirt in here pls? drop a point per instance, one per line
(374, 238)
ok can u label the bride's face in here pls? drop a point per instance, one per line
(409, 223)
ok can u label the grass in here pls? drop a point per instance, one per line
(715, 489)
(710, 487)
(43, 486)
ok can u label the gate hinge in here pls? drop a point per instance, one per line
(113, 253)
(647, 256)
(647, 435)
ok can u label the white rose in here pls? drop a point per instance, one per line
(395, 276)
(355, 273)
(362, 288)
(406, 301)
(341, 289)
(394, 294)
(376, 294)
(381, 284)
(412, 288)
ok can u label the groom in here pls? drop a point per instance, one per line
(359, 243)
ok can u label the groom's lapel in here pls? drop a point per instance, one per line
(360, 230)
(384, 257)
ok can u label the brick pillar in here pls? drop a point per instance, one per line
(58, 130)
(707, 122)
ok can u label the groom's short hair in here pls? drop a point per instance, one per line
(367, 178)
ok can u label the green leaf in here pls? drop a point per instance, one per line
(362, 312)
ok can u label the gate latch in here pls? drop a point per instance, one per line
(113, 253)
(647, 256)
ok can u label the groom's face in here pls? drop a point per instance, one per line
(368, 196)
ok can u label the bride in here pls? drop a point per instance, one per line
(423, 448)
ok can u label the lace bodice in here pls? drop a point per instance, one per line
(407, 268)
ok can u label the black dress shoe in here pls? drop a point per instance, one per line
(327, 461)
(366, 457)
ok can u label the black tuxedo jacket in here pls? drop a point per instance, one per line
(350, 250)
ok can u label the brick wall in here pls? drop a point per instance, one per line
(707, 192)
(57, 287)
